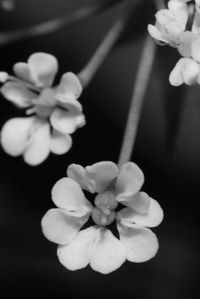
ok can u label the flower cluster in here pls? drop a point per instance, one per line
(53, 112)
(97, 245)
(179, 27)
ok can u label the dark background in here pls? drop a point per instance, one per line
(167, 149)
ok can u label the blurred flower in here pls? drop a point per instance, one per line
(170, 28)
(186, 71)
(170, 23)
(96, 245)
(54, 112)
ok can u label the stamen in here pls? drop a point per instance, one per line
(101, 219)
(106, 200)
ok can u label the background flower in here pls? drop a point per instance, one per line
(56, 111)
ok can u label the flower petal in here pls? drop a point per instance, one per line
(60, 144)
(129, 181)
(153, 217)
(71, 105)
(77, 173)
(157, 35)
(139, 202)
(70, 87)
(3, 77)
(17, 94)
(108, 253)
(67, 194)
(39, 144)
(65, 121)
(77, 254)
(186, 71)
(100, 175)
(141, 243)
(43, 68)
(195, 49)
(21, 70)
(184, 43)
(180, 12)
(15, 135)
(61, 228)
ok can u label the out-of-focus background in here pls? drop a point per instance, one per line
(167, 149)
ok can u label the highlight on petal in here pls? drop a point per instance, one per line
(141, 243)
(38, 148)
(43, 68)
(59, 143)
(61, 228)
(77, 173)
(108, 253)
(15, 135)
(153, 217)
(67, 194)
(139, 202)
(77, 254)
(70, 87)
(18, 94)
(22, 70)
(66, 122)
(129, 181)
(100, 175)
(186, 71)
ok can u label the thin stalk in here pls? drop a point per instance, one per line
(103, 50)
(139, 90)
(75, 18)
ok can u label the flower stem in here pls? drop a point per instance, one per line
(140, 86)
(103, 50)
(51, 26)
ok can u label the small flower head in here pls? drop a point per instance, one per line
(53, 112)
(170, 23)
(170, 28)
(96, 245)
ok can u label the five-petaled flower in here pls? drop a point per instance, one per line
(96, 245)
(54, 112)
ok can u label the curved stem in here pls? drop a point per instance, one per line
(57, 24)
(140, 86)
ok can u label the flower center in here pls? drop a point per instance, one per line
(45, 104)
(103, 214)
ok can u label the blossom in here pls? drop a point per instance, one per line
(170, 28)
(53, 112)
(170, 23)
(97, 245)
(186, 71)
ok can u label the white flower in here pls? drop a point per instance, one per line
(186, 71)
(55, 111)
(170, 23)
(170, 28)
(96, 245)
